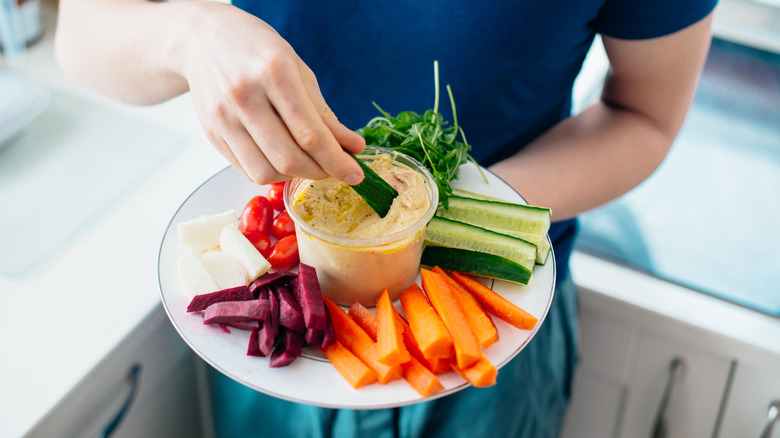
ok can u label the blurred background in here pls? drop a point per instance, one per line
(679, 279)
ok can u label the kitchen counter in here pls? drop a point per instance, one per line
(62, 317)
(65, 315)
(719, 187)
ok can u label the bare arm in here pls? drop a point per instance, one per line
(258, 103)
(615, 144)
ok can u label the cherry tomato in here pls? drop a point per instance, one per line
(257, 217)
(261, 242)
(283, 225)
(284, 253)
(276, 196)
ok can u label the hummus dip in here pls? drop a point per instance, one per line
(334, 207)
(356, 253)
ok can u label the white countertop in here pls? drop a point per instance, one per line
(62, 318)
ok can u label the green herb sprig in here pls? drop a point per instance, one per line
(426, 137)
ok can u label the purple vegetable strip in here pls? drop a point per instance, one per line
(244, 325)
(201, 302)
(262, 293)
(329, 334)
(288, 350)
(269, 329)
(306, 288)
(290, 313)
(269, 278)
(231, 311)
(254, 345)
(313, 336)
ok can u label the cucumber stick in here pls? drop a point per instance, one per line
(477, 263)
(524, 222)
(453, 234)
(377, 192)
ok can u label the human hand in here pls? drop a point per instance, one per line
(259, 104)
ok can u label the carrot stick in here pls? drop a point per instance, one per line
(368, 322)
(359, 343)
(495, 303)
(424, 380)
(480, 322)
(427, 326)
(421, 378)
(357, 373)
(466, 348)
(437, 365)
(364, 318)
(480, 374)
(389, 342)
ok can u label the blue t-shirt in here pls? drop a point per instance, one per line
(511, 64)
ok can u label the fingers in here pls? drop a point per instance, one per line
(347, 138)
(267, 155)
(275, 125)
(222, 147)
(315, 130)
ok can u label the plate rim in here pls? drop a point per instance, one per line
(418, 399)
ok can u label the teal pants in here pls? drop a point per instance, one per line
(529, 399)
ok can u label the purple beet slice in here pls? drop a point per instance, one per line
(269, 328)
(329, 334)
(244, 325)
(253, 349)
(313, 336)
(288, 349)
(306, 288)
(201, 302)
(270, 278)
(226, 312)
(290, 312)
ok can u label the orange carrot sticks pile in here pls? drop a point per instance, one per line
(448, 323)
(348, 365)
(349, 334)
(437, 365)
(426, 325)
(480, 322)
(390, 344)
(423, 380)
(495, 303)
(466, 349)
(482, 373)
(364, 318)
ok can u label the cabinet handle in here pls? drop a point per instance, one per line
(771, 418)
(133, 377)
(676, 369)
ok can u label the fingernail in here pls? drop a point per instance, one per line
(353, 179)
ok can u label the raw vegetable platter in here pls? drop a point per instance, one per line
(312, 379)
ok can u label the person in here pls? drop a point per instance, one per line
(268, 79)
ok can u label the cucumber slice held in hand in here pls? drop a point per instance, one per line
(377, 192)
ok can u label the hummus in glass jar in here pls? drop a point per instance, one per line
(356, 253)
(334, 207)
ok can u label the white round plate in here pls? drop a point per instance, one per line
(311, 379)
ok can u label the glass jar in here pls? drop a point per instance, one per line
(358, 269)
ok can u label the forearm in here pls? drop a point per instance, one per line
(587, 160)
(258, 103)
(126, 49)
(608, 149)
